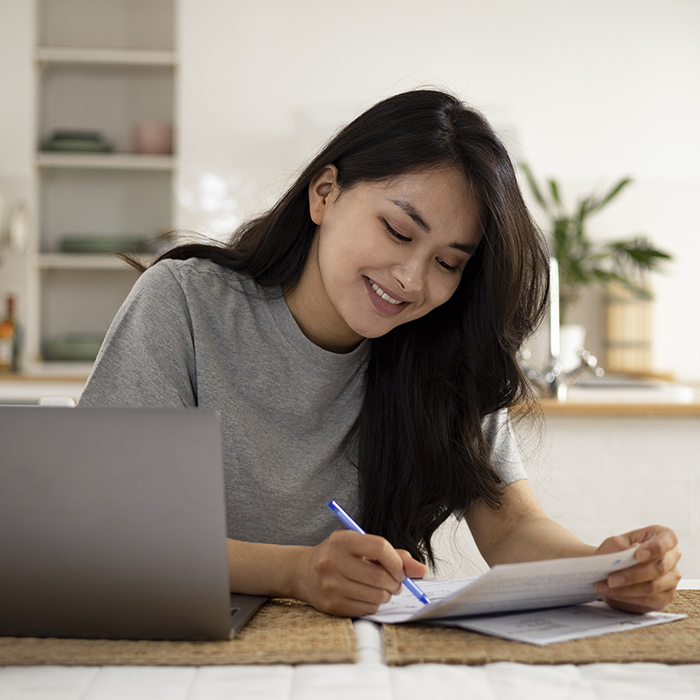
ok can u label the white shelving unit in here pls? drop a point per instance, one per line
(81, 261)
(103, 66)
(109, 57)
(106, 161)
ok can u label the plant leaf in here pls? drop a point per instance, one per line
(534, 187)
(554, 191)
(614, 191)
(638, 253)
(581, 261)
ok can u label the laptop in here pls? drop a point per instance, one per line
(113, 525)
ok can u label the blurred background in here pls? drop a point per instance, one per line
(123, 120)
(584, 92)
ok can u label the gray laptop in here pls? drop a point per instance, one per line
(112, 525)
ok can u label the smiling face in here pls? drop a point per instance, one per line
(385, 253)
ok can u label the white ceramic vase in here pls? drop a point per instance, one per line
(571, 339)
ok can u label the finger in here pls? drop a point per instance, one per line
(617, 543)
(652, 539)
(411, 566)
(650, 571)
(364, 559)
(364, 594)
(651, 586)
(642, 605)
(349, 608)
(374, 549)
(373, 574)
(647, 596)
(656, 546)
(350, 598)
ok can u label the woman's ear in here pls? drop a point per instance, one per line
(321, 191)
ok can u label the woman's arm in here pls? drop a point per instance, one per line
(347, 574)
(520, 530)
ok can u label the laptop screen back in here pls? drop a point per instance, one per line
(112, 524)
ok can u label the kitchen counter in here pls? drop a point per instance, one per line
(606, 468)
(552, 407)
(29, 388)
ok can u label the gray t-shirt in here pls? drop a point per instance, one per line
(193, 333)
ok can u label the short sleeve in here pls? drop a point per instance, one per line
(148, 356)
(505, 456)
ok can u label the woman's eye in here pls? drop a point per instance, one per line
(393, 232)
(449, 268)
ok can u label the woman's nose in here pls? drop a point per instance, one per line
(410, 274)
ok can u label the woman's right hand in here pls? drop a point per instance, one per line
(351, 574)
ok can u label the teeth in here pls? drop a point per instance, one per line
(381, 293)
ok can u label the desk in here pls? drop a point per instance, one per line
(370, 679)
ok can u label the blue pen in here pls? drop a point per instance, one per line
(350, 524)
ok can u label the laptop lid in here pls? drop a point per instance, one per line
(112, 525)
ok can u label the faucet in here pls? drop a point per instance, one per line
(553, 381)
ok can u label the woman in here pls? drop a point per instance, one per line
(359, 341)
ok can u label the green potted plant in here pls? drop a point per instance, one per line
(582, 262)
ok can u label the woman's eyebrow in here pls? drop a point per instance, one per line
(469, 248)
(412, 212)
(402, 204)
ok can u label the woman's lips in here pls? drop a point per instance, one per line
(388, 307)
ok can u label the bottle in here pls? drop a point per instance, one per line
(9, 339)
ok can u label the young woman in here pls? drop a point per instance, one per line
(359, 341)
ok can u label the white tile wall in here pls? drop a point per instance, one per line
(600, 476)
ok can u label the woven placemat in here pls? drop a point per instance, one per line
(672, 643)
(282, 632)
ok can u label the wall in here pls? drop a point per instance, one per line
(16, 133)
(604, 475)
(586, 92)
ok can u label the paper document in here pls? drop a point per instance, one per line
(536, 602)
(558, 624)
(509, 587)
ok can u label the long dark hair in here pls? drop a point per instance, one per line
(419, 447)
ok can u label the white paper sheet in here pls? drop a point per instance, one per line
(551, 594)
(509, 587)
(558, 624)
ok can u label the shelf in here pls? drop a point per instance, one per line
(107, 57)
(106, 161)
(104, 67)
(86, 261)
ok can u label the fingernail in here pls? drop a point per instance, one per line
(616, 580)
(601, 588)
(643, 554)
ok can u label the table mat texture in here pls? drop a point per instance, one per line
(283, 632)
(670, 643)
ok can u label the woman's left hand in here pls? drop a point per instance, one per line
(650, 584)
